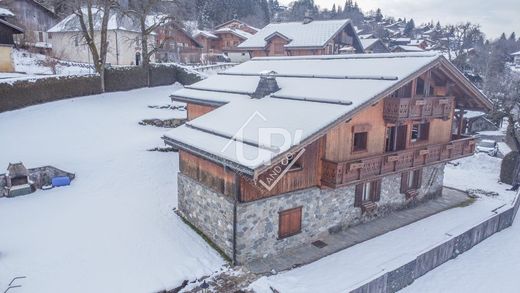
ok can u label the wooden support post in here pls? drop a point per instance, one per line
(460, 122)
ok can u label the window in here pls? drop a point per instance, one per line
(49, 35)
(40, 36)
(411, 180)
(367, 192)
(420, 132)
(290, 222)
(360, 141)
(76, 42)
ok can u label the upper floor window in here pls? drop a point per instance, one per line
(420, 132)
(360, 141)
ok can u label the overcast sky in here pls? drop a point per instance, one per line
(494, 16)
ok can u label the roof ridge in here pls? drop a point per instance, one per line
(323, 76)
(352, 56)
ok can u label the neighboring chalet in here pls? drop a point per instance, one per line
(516, 58)
(280, 151)
(34, 19)
(174, 44)
(8, 31)
(401, 49)
(475, 121)
(225, 39)
(327, 37)
(124, 34)
(374, 46)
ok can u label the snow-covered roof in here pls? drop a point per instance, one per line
(516, 54)
(416, 42)
(313, 34)
(5, 12)
(410, 48)
(366, 36)
(367, 43)
(116, 21)
(407, 40)
(237, 32)
(18, 30)
(315, 93)
(206, 34)
(473, 114)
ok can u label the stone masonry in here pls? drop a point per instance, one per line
(209, 211)
(325, 211)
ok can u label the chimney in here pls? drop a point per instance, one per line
(267, 85)
(307, 18)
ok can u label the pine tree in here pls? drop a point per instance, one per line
(379, 15)
(512, 37)
(410, 26)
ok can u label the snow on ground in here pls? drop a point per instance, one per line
(29, 63)
(113, 229)
(351, 267)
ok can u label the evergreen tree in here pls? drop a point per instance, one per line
(410, 26)
(379, 15)
(512, 37)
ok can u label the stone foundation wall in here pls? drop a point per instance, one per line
(324, 211)
(209, 211)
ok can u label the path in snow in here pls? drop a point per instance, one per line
(113, 229)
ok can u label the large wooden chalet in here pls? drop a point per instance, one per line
(325, 37)
(368, 134)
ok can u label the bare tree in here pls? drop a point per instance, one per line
(459, 38)
(93, 17)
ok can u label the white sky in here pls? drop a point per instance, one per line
(494, 16)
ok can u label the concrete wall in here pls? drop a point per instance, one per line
(6, 61)
(397, 279)
(324, 210)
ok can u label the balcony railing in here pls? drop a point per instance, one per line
(337, 174)
(403, 109)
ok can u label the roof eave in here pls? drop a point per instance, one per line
(215, 159)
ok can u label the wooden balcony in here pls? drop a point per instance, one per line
(404, 109)
(338, 174)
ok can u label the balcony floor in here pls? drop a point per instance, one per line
(335, 242)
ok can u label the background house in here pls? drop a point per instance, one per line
(34, 19)
(176, 45)
(516, 57)
(225, 39)
(8, 31)
(124, 46)
(304, 38)
(374, 46)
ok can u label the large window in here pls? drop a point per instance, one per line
(360, 141)
(290, 222)
(420, 132)
(367, 192)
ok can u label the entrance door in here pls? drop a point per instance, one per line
(390, 139)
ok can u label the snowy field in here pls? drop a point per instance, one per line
(113, 229)
(349, 268)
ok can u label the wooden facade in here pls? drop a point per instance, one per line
(197, 110)
(176, 45)
(375, 142)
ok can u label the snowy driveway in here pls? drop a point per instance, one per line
(113, 229)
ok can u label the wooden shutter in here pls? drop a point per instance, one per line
(376, 189)
(290, 222)
(404, 181)
(417, 179)
(358, 200)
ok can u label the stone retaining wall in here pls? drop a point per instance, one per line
(324, 211)
(405, 275)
